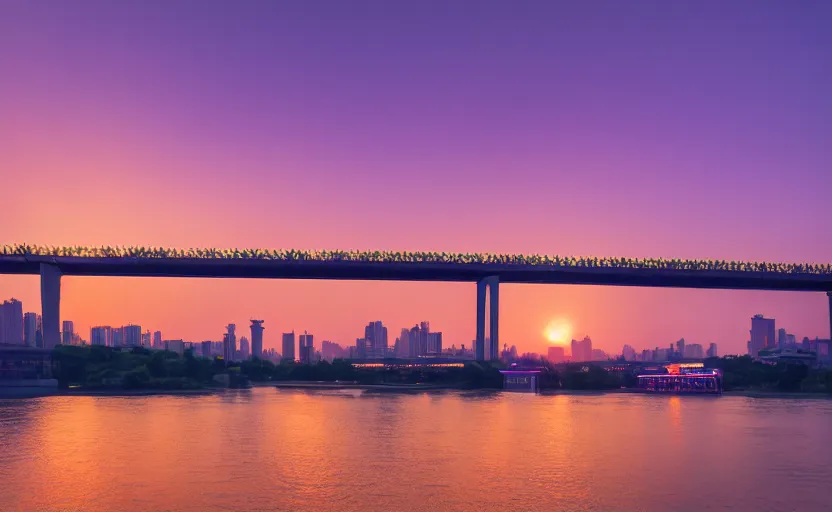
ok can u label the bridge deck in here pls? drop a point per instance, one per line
(422, 271)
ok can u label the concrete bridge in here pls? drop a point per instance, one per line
(484, 270)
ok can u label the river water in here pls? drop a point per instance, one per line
(279, 450)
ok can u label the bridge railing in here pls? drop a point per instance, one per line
(554, 261)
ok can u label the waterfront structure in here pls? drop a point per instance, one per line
(306, 348)
(683, 378)
(68, 332)
(245, 349)
(101, 335)
(762, 334)
(26, 371)
(556, 355)
(288, 346)
(11, 322)
(257, 338)
(521, 380)
(229, 342)
(486, 270)
(31, 326)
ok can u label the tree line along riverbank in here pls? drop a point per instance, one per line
(99, 368)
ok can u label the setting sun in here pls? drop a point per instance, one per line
(558, 332)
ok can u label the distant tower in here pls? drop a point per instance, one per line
(376, 335)
(68, 331)
(245, 349)
(257, 338)
(30, 329)
(762, 334)
(288, 342)
(230, 343)
(712, 350)
(132, 335)
(11, 322)
(306, 348)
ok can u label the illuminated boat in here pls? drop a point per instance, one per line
(683, 378)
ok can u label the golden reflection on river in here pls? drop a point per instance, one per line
(269, 450)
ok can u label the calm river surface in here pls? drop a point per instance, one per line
(270, 450)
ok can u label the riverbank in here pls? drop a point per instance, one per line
(365, 387)
(138, 392)
(778, 394)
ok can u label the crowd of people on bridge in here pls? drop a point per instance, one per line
(535, 260)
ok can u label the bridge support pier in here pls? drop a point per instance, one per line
(50, 304)
(488, 286)
(829, 296)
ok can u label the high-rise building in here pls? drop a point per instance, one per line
(11, 322)
(599, 355)
(30, 329)
(782, 338)
(229, 342)
(146, 339)
(245, 349)
(680, 348)
(556, 355)
(306, 348)
(628, 353)
(762, 334)
(376, 335)
(402, 347)
(413, 339)
(118, 336)
(331, 351)
(132, 335)
(694, 351)
(361, 349)
(712, 350)
(101, 335)
(157, 340)
(177, 346)
(39, 334)
(434, 343)
(206, 350)
(791, 341)
(288, 346)
(257, 338)
(582, 350)
(67, 332)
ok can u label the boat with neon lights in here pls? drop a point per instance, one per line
(683, 378)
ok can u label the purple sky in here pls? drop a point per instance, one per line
(675, 129)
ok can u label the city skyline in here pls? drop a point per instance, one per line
(695, 133)
(137, 333)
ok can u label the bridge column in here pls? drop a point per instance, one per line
(829, 296)
(50, 304)
(494, 304)
(491, 285)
